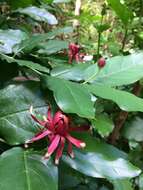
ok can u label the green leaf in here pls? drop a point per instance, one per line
(77, 72)
(102, 27)
(101, 161)
(52, 46)
(34, 40)
(9, 38)
(71, 97)
(32, 65)
(125, 100)
(24, 170)
(133, 130)
(122, 185)
(16, 125)
(72, 72)
(39, 14)
(21, 3)
(103, 124)
(121, 70)
(121, 10)
(141, 182)
(25, 63)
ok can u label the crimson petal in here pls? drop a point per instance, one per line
(39, 136)
(76, 142)
(60, 150)
(53, 146)
(58, 116)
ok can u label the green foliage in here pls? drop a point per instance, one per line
(39, 14)
(107, 101)
(31, 171)
(16, 125)
(121, 10)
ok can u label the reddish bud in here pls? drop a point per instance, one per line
(101, 62)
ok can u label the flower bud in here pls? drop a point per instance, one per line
(101, 62)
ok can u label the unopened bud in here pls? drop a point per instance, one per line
(101, 62)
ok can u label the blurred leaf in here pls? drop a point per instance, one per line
(133, 130)
(34, 40)
(25, 63)
(39, 14)
(125, 100)
(24, 170)
(122, 185)
(32, 65)
(102, 28)
(141, 182)
(16, 125)
(20, 3)
(9, 38)
(121, 10)
(103, 124)
(70, 97)
(96, 162)
(52, 46)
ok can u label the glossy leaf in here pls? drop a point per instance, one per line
(24, 170)
(78, 72)
(100, 161)
(126, 101)
(121, 70)
(25, 63)
(121, 10)
(71, 97)
(39, 14)
(133, 130)
(32, 65)
(9, 38)
(75, 72)
(16, 125)
(34, 40)
(103, 124)
(52, 46)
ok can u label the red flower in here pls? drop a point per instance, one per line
(73, 52)
(57, 129)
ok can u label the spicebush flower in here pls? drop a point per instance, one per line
(57, 129)
(73, 52)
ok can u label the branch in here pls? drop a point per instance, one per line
(123, 115)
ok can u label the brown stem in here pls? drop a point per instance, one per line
(123, 115)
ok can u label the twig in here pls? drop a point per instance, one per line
(123, 115)
(124, 39)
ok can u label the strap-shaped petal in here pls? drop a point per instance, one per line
(53, 146)
(39, 136)
(60, 150)
(76, 142)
